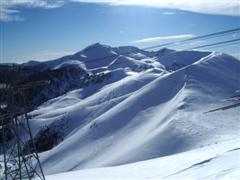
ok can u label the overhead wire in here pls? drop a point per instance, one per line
(206, 36)
(218, 43)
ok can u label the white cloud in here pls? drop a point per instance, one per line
(223, 7)
(169, 13)
(9, 15)
(9, 8)
(164, 38)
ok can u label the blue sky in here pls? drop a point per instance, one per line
(41, 30)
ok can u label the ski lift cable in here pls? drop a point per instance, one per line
(165, 45)
(207, 36)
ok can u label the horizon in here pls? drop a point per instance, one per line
(153, 50)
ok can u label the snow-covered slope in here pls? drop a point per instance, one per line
(144, 115)
(151, 105)
(129, 63)
(174, 60)
(71, 63)
(218, 161)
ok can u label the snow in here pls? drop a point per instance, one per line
(218, 161)
(144, 115)
(97, 56)
(179, 59)
(146, 120)
(71, 63)
(129, 63)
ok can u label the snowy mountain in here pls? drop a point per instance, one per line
(96, 55)
(113, 106)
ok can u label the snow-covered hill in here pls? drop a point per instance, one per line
(218, 161)
(147, 105)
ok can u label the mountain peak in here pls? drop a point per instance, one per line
(96, 46)
(96, 50)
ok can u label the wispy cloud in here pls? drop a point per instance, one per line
(9, 15)
(224, 7)
(164, 38)
(9, 8)
(169, 13)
